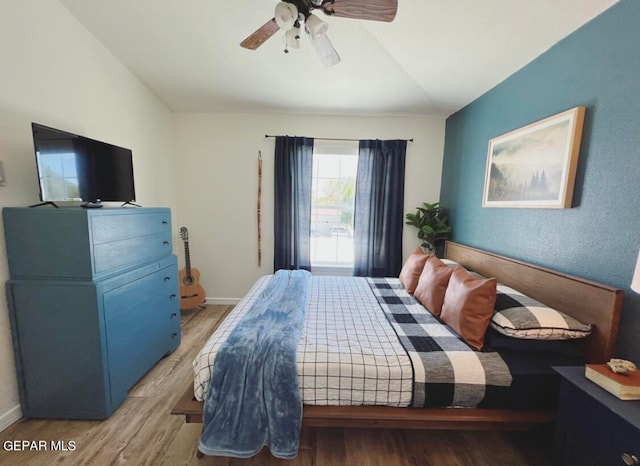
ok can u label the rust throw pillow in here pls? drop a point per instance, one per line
(432, 285)
(468, 306)
(412, 269)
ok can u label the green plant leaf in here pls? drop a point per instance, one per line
(427, 230)
(431, 222)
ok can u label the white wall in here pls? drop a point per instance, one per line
(217, 183)
(52, 71)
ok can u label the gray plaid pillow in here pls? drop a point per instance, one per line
(519, 316)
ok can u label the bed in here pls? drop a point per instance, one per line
(584, 300)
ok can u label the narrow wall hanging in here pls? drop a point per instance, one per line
(258, 210)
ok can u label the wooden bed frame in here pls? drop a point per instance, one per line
(587, 301)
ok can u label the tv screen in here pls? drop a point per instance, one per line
(76, 168)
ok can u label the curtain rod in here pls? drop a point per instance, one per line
(333, 139)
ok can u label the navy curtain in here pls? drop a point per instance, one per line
(379, 215)
(292, 219)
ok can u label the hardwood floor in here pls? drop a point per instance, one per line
(143, 432)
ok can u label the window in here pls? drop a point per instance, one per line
(335, 164)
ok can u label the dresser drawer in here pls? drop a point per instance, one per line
(107, 228)
(134, 347)
(114, 255)
(156, 288)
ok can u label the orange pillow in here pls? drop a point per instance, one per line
(468, 306)
(432, 285)
(412, 269)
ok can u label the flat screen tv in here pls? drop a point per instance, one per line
(76, 168)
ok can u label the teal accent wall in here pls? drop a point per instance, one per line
(598, 67)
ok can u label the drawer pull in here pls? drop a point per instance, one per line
(166, 279)
(173, 314)
(172, 296)
(173, 335)
(164, 222)
(165, 243)
(629, 460)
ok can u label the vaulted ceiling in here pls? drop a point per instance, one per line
(434, 58)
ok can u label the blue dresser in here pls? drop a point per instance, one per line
(93, 300)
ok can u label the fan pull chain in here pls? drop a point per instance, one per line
(295, 38)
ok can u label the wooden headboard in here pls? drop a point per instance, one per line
(587, 301)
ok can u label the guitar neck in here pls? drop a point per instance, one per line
(187, 259)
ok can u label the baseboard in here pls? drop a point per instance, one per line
(225, 301)
(11, 416)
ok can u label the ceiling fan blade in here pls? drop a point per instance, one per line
(374, 10)
(325, 50)
(261, 35)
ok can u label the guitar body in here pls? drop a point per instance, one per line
(192, 294)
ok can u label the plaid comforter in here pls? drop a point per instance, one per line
(352, 352)
(348, 353)
(447, 372)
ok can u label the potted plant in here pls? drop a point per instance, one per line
(432, 225)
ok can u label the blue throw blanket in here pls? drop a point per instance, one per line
(253, 397)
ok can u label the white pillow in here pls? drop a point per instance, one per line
(519, 316)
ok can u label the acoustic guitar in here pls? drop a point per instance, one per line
(192, 294)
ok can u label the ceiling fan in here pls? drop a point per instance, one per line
(291, 15)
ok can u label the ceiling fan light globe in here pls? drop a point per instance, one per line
(286, 14)
(315, 27)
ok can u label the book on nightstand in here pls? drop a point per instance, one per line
(624, 386)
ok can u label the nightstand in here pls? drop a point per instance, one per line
(594, 428)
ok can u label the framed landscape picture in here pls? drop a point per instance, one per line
(535, 166)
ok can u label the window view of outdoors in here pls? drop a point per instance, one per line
(332, 203)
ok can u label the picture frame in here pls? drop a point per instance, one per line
(535, 166)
